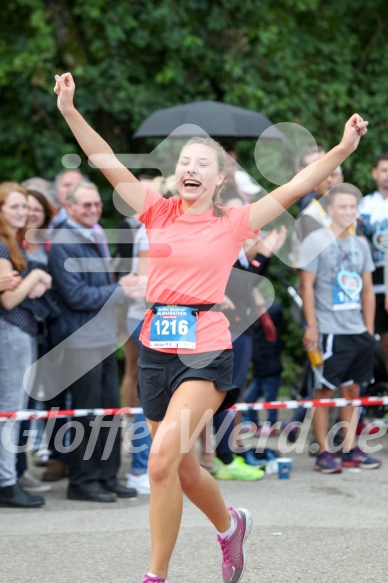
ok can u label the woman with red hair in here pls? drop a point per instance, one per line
(18, 330)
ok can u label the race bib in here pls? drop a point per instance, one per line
(173, 327)
(380, 240)
(346, 292)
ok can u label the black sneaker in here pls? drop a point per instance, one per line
(16, 497)
(119, 490)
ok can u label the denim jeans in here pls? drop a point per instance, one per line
(266, 387)
(143, 442)
(17, 353)
(31, 432)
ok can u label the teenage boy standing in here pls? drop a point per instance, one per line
(339, 307)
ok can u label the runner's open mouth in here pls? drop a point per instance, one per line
(189, 183)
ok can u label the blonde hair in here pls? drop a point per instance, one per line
(223, 166)
(6, 233)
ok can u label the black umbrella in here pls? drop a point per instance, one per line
(207, 117)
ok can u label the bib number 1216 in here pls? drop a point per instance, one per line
(167, 327)
(173, 327)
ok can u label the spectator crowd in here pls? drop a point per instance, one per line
(65, 302)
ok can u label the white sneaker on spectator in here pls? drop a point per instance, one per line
(140, 482)
(31, 484)
(41, 457)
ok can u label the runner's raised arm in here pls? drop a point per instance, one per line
(97, 149)
(273, 204)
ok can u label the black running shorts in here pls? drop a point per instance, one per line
(348, 358)
(161, 373)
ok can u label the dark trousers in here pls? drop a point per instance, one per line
(242, 353)
(21, 458)
(62, 401)
(96, 458)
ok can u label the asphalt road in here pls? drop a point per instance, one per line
(310, 528)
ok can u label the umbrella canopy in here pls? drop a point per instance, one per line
(207, 117)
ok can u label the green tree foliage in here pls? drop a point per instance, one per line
(305, 61)
(312, 62)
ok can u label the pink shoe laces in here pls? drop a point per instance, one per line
(225, 548)
(148, 579)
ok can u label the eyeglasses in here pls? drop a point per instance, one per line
(90, 205)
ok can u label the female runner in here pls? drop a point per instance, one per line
(185, 364)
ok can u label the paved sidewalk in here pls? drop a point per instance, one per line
(311, 528)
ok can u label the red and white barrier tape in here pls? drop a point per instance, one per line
(305, 403)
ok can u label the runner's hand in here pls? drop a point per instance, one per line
(64, 88)
(355, 127)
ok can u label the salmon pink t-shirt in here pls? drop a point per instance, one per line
(189, 261)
